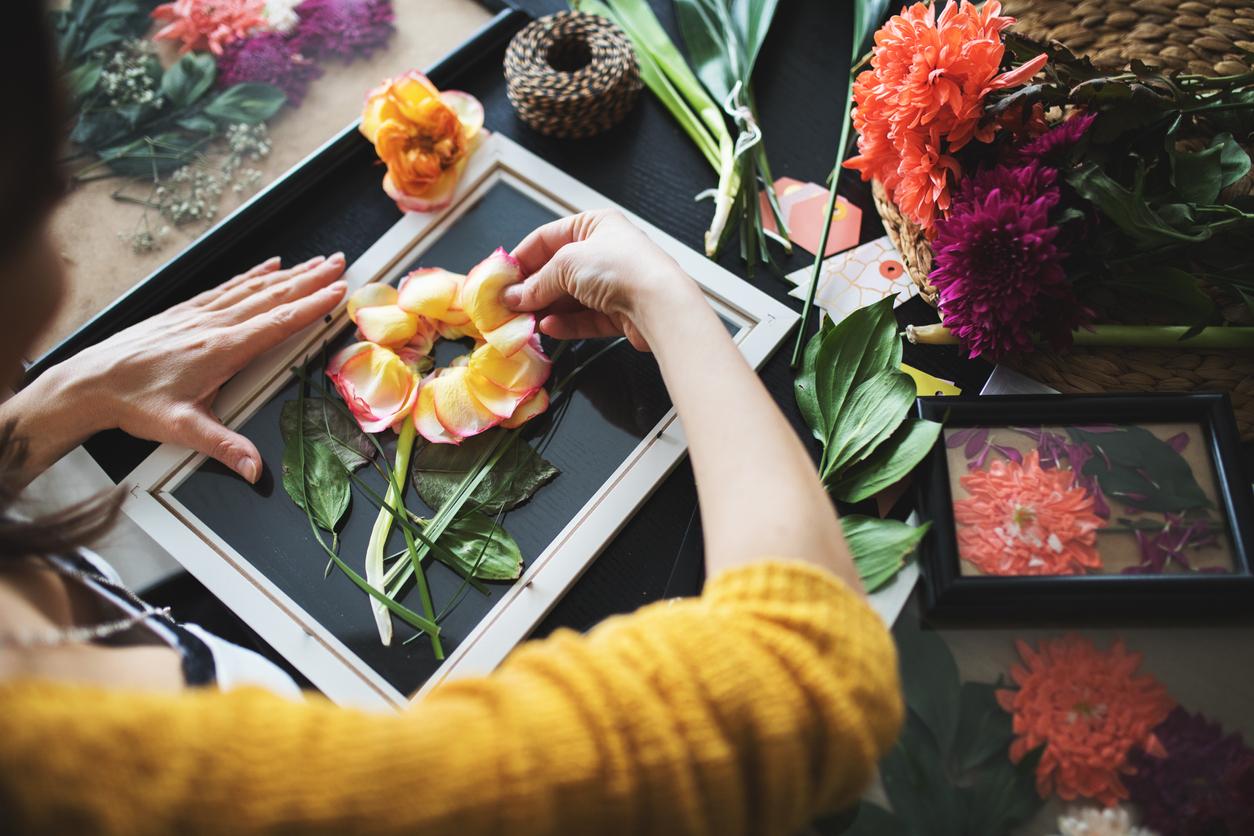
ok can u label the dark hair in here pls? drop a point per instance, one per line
(31, 183)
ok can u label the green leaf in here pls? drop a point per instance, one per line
(1126, 209)
(82, 80)
(152, 156)
(324, 483)
(327, 424)
(482, 548)
(188, 79)
(917, 786)
(439, 469)
(984, 730)
(1199, 176)
(805, 388)
(249, 103)
(876, 409)
(891, 462)
(715, 47)
(198, 123)
(929, 680)
(1003, 795)
(1167, 291)
(867, 15)
(859, 347)
(873, 820)
(1140, 469)
(879, 547)
(110, 31)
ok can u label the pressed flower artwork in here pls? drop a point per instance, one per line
(1086, 500)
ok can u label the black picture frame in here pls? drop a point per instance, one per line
(948, 595)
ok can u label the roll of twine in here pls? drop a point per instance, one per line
(571, 75)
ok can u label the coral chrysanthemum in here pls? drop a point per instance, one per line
(267, 58)
(1205, 785)
(1021, 519)
(1089, 709)
(998, 268)
(923, 99)
(344, 29)
(208, 24)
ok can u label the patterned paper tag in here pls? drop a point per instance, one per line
(857, 278)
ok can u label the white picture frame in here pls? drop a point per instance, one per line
(279, 619)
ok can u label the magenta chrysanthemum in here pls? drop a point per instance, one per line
(1205, 785)
(1054, 146)
(345, 29)
(268, 58)
(998, 267)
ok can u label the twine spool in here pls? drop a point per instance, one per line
(571, 75)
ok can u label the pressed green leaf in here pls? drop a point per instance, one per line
(899, 454)
(879, 547)
(249, 103)
(327, 424)
(929, 680)
(1167, 291)
(1139, 468)
(984, 730)
(482, 548)
(188, 79)
(876, 408)
(82, 80)
(915, 781)
(323, 484)
(152, 156)
(872, 820)
(438, 471)
(1003, 795)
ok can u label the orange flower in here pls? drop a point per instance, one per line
(208, 25)
(1021, 519)
(423, 136)
(923, 99)
(1089, 710)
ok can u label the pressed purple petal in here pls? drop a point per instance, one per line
(957, 438)
(345, 29)
(977, 442)
(1179, 442)
(267, 58)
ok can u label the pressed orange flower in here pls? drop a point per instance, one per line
(1021, 519)
(208, 24)
(1089, 709)
(923, 99)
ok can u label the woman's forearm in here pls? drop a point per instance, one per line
(759, 492)
(51, 418)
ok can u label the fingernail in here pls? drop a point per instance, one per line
(338, 258)
(336, 287)
(248, 469)
(314, 262)
(273, 261)
(512, 295)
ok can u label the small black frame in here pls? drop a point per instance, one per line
(949, 595)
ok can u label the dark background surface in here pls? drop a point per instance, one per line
(645, 164)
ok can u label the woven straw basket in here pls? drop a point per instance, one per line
(1199, 36)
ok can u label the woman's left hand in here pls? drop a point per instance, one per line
(157, 380)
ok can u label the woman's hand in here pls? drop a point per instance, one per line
(157, 380)
(595, 275)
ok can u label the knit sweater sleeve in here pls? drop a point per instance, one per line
(750, 709)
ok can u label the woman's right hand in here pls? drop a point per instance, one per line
(595, 275)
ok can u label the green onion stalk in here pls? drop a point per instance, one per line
(665, 72)
(1125, 336)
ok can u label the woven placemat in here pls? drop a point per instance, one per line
(571, 75)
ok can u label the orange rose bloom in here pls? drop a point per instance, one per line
(423, 136)
(923, 99)
(1021, 519)
(1089, 709)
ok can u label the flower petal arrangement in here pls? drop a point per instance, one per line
(423, 136)
(1091, 711)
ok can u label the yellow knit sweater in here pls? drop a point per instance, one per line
(748, 710)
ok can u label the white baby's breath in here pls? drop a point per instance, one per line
(1091, 821)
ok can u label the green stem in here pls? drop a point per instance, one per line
(1127, 336)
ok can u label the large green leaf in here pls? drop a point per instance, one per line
(188, 79)
(481, 548)
(714, 45)
(1001, 797)
(876, 408)
(879, 547)
(317, 480)
(1166, 291)
(805, 387)
(917, 786)
(899, 454)
(1140, 469)
(438, 470)
(327, 424)
(984, 730)
(248, 103)
(929, 680)
(1199, 176)
(860, 346)
(1127, 209)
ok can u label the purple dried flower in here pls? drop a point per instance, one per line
(345, 29)
(1168, 545)
(268, 58)
(1054, 146)
(1055, 449)
(1204, 784)
(998, 268)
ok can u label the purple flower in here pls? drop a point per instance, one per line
(1205, 785)
(345, 29)
(1168, 545)
(1054, 146)
(268, 58)
(998, 269)
(1057, 449)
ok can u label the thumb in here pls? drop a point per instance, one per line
(200, 429)
(550, 284)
